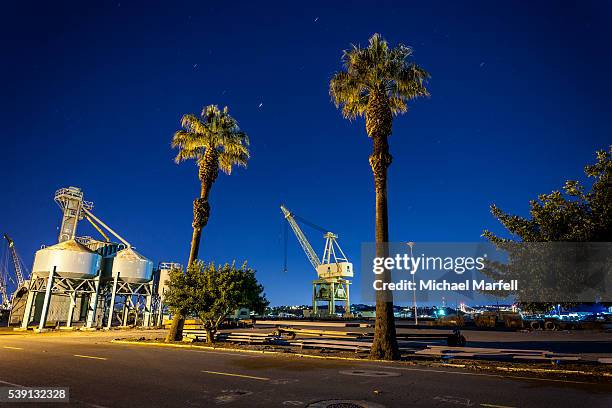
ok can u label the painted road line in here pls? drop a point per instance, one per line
(224, 353)
(237, 375)
(495, 406)
(92, 357)
(510, 377)
(12, 348)
(10, 383)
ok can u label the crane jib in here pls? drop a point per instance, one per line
(334, 263)
(16, 261)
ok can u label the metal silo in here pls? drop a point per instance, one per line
(164, 269)
(131, 266)
(71, 260)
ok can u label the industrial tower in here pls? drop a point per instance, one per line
(332, 270)
(84, 279)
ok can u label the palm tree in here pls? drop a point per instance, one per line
(377, 82)
(215, 142)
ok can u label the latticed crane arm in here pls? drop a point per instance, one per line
(5, 299)
(310, 253)
(16, 263)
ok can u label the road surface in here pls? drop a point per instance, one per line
(103, 374)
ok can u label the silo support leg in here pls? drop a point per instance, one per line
(111, 309)
(124, 313)
(28, 309)
(93, 303)
(45, 306)
(147, 311)
(126, 310)
(71, 310)
(160, 308)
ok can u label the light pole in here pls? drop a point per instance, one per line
(416, 318)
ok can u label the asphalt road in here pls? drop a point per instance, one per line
(102, 374)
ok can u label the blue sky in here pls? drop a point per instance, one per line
(91, 94)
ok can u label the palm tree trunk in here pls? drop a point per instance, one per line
(384, 345)
(201, 212)
(195, 245)
(176, 329)
(178, 319)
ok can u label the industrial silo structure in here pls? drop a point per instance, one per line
(69, 259)
(163, 271)
(57, 271)
(162, 278)
(85, 279)
(132, 267)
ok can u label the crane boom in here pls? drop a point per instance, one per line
(5, 299)
(16, 263)
(310, 253)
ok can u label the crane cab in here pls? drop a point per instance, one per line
(335, 270)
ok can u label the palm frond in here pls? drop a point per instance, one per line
(214, 129)
(397, 105)
(345, 91)
(380, 70)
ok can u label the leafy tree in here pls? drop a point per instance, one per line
(181, 290)
(213, 292)
(223, 290)
(378, 82)
(571, 215)
(215, 142)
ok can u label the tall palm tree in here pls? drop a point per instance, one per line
(215, 142)
(377, 82)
